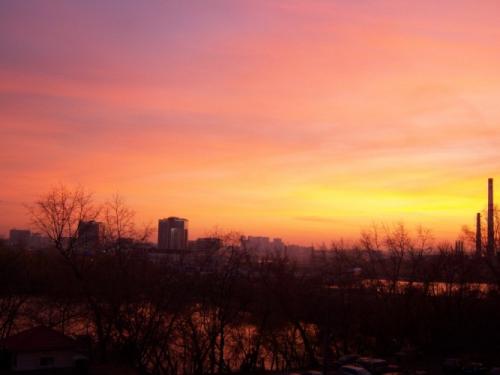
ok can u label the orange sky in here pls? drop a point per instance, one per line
(306, 120)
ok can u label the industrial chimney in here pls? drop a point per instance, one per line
(479, 244)
(490, 247)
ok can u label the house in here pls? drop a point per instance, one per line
(42, 348)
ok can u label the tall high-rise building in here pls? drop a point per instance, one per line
(38, 241)
(90, 234)
(173, 233)
(490, 246)
(479, 242)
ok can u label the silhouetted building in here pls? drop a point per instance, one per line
(490, 246)
(37, 241)
(479, 242)
(299, 254)
(19, 237)
(206, 243)
(43, 350)
(255, 243)
(278, 244)
(173, 233)
(90, 234)
(263, 246)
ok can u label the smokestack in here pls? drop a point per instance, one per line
(490, 249)
(479, 245)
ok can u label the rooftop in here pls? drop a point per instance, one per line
(38, 339)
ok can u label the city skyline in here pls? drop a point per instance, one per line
(304, 120)
(172, 232)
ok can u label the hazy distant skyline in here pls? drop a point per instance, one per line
(305, 120)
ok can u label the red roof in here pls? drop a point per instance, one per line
(38, 339)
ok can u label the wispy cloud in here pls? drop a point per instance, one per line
(317, 219)
(245, 113)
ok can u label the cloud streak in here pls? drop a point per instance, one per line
(267, 117)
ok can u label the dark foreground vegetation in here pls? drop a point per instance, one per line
(225, 310)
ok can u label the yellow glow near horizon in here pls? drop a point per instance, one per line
(306, 120)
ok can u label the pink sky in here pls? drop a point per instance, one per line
(306, 120)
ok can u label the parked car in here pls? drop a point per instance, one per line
(392, 369)
(452, 365)
(347, 360)
(474, 368)
(374, 365)
(406, 356)
(353, 370)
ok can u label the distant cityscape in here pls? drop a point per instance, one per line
(173, 238)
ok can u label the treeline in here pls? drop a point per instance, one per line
(227, 311)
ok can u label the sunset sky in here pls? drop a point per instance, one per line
(306, 120)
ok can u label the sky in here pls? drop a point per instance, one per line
(302, 119)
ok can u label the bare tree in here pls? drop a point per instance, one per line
(102, 280)
(120, 230)
(469, 235)
(422, 247)
(12, 296)
(58, 213)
